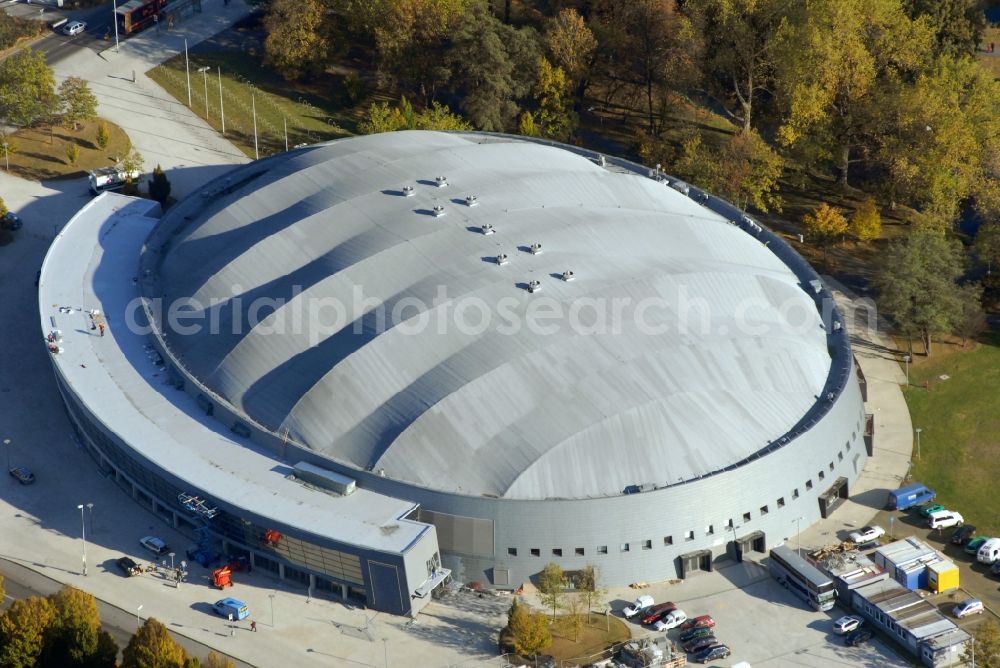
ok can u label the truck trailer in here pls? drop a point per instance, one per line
(110, 178)
(135, 15)
(911, 495)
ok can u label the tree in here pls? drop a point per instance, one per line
(27, 88)
(76, 624)
(575, 605)
(3, 212)
(826, 225)
(22, 632)
(971, 319)
(8, 147)
(552, 586)
(106, 654)
(103, 135)
(987, 245)
(77, 101)
(526, 125)
(159, 186)
(530, 631)
(571, 44)
(439, 117)
(590, 591)
(958, 24)
(555, 116)
(218, 661)
(152, 647)
(72, 152)
(866, 222)
(917, 284)
(383, 118)
(131, 164)
(985, 645)
(296, 44)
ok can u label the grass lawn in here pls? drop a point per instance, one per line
(41, 152)
(960, 418)
(593, 639)
(991, 61)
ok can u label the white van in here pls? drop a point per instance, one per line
(989, 551)
(944, 519)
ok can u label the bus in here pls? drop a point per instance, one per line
(802, 578)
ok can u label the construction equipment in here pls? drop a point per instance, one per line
(222, 577)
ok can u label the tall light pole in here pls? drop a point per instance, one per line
(6, 447)
(204, 72)
(114, 21)
(271, 596)
(222, 108)
(918, 430)
(83, 533)
(187, 70)
(906, 359)
(90, 512)
(798, 535)
(253, 104)
(138, 622)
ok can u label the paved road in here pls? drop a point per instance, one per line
(21, 582)
(57, 46)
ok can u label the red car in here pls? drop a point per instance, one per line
(703, 622)
(654, 613)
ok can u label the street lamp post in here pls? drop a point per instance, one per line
(204, 72)
(798, 534)
(918, 430)
(271, 596)
(138, 622)
(906, 359)
(90, 513)
(83, 533)
(114, 21)
(6, 447)
(222, 108)
(187, 71)
(172, 560)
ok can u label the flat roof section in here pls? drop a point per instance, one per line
(92, 265)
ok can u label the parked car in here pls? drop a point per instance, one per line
(963, 534)
(929, 509)
(638, 606)
(10, 221)
(74, 28)
(858, 637)
(995, 568)
(23, 475)
(712, 654)
(700, 622)
(972, 547)
(970, 606)
(154, 544)
(945, 519)
(989, 552)
(694, 634)
(231, 606)
(128, 566)
(653, 614)
(698, 644)
(670, 621)
(867, 534)
(847, 624)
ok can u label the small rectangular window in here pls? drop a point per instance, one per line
(795, 493)
(746, 517)
(730, 523)
(579, 551)
(822, 476)
(709, 530)
(840, 456)
(602, 549)
(809, 484)
(781, 502)
(512, 551)
(647, 545)
(763, 510)
(556, 552)
(623, 547)
(668, 540)
(831, 466)
(689, 535)
(535, 552)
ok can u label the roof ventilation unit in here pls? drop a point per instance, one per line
(441, 181)
(536, 249)
(816, 285)
(502, 259)
(471, 200)
(438, 211)
(601, 162)
(408, 191)
(568, 275)
(487, 229)
(534, 286)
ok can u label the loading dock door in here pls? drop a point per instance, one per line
(385, 591)
(692, 562)
(831, 499)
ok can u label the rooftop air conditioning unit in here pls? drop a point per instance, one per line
(502, 259)
(601, 162)
(441, 181)
(471, 200)
(536, 249)
(408, 191)
(568, 275)
(534, 286)
(487, 229)
(438, 211)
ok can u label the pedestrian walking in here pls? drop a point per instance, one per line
(253, 626)
(100, 326)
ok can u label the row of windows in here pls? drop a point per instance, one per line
(690, 534)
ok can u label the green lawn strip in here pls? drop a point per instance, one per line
(41, 152)
(246, 85)
(960, 441)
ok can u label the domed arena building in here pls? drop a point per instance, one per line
(378, 363)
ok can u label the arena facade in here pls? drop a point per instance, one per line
(378, 363)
